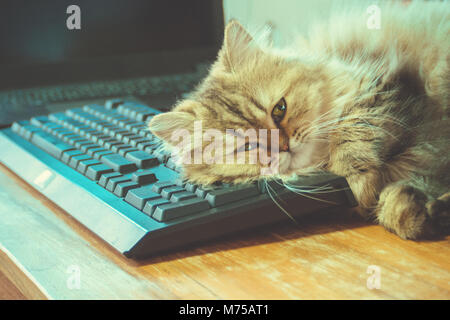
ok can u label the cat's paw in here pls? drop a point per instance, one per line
(401, 210)
(439, 214)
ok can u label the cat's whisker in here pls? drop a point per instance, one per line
(318, 191)
(269, 189)
(303, 191)
(303, 188)
(307, 189)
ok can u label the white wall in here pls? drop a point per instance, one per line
(287, 17)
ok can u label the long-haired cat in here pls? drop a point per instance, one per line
(367, 104)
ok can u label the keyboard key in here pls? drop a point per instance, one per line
(51, 126)
(140, 130)
(180, 196)
(112, 182)
(80, 143)
(129, 139)
(190, 187)
(87, 132)
(123, 152)
(113, 103)
(136, 111)
(105, 178)
(143, 116)
(172, 165)
(74, 138)
(141, 141)
(161, 154)
(17, 126)
(166, 212)
(104, 141)
(69, 154)
(118, 163)
(84, 164)
(201, 191)
(180, 182)
(142, 159)
(122, 188)
(112, 131)
(151, 205)
(89, 146)
(139, 196)
(159, 186)
(97, 138)
(147, 146)
(124, 108)
(75, 160)
(151, 147)
(39, 121)
(28, 131)
(167, 192)
(94, 108)
(92, 151)
(94, 172)
(122, 135)
(221, 196)
(165, 174)
(117, 147)
(98, 154)
(63, 133)
(58, 117)
(92, 135)
(143, 177)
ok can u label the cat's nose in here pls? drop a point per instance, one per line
(285, 146)
(284, 143)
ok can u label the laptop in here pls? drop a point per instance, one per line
(78, 83)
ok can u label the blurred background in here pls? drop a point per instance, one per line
(149, 50)
(35, 33)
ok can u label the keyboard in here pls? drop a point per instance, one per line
(143, 86)
(102, 165)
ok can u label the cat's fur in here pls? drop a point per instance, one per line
(369, 105)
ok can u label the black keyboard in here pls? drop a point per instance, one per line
(144, 86)
(102, 165)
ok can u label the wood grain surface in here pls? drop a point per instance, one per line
(8, 290)
(327, 256)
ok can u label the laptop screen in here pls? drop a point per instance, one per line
(102, 38)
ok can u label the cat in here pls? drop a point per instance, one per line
(367, 104)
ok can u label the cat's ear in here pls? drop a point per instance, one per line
(238, 46)
(165, 125)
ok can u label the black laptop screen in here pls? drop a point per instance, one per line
(44, 33)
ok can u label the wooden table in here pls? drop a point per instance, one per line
(44, 253)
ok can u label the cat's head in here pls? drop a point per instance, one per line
(249, 87)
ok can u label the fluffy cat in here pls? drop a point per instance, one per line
(369, 105)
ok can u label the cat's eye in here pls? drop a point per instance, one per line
(279, 111)
(249, 146)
